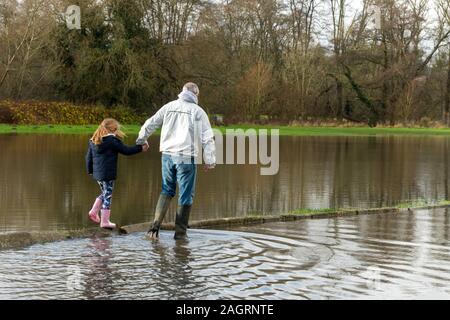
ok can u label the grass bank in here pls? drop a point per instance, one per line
(301, 214)
(409, 205)
(284, 130)
(56, 129)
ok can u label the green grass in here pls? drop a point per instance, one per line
(284, 130)
(314, 211)
(421, 203)
(344, 131)
(358, 131)
(415, 204)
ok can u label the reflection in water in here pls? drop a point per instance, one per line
(403, 256)
(43, 184)
(183, 272)
(100, 276)
(173, 273)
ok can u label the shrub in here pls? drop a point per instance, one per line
(6, 115)
(38, 113)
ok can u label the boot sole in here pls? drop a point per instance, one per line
(93, 220)
(108, 228)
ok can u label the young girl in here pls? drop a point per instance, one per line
(101, 162)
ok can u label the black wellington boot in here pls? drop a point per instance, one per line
(160, 212)
(181, 222)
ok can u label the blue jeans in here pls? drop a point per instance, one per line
(181, 170)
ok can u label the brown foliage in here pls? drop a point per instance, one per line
(39, 112)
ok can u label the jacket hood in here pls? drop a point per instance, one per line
(188, 96)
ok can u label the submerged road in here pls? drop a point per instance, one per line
(404, 256)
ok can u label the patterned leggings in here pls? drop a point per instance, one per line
(106, 196)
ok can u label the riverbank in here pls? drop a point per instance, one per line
(14, 240)
(284, 130)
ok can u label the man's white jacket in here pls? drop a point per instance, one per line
(184, 125)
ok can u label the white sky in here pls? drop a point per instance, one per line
(355, 6)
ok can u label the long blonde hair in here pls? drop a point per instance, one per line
(107, 126)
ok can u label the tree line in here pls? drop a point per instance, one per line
(369, 61)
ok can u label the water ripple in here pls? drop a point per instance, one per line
(352, 257)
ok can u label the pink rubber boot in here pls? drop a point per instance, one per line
(93, 214)
(105, 223)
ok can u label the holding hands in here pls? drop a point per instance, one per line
(208, 167)
(145, 147)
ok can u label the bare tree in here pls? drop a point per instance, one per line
(299, 54)
(170, 21)
(443, 12)
(24, 34)
(339, 35)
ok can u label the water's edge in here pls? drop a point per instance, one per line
(16, 240)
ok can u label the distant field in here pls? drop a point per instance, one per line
(284, 130)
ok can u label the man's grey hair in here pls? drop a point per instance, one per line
(192, 87)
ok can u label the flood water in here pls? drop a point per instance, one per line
(43, 184)
(403, 256)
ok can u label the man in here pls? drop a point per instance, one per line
(183, 124)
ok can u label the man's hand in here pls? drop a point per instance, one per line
(209, 167)
(145, 147)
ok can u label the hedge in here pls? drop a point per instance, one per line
(51, 112)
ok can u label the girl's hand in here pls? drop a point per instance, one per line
(145, 147)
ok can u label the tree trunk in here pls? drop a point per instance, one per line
(4, 76)
(447, 94)
(385, 89)
(340, 99)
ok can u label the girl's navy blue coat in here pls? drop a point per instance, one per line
(101, 160)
